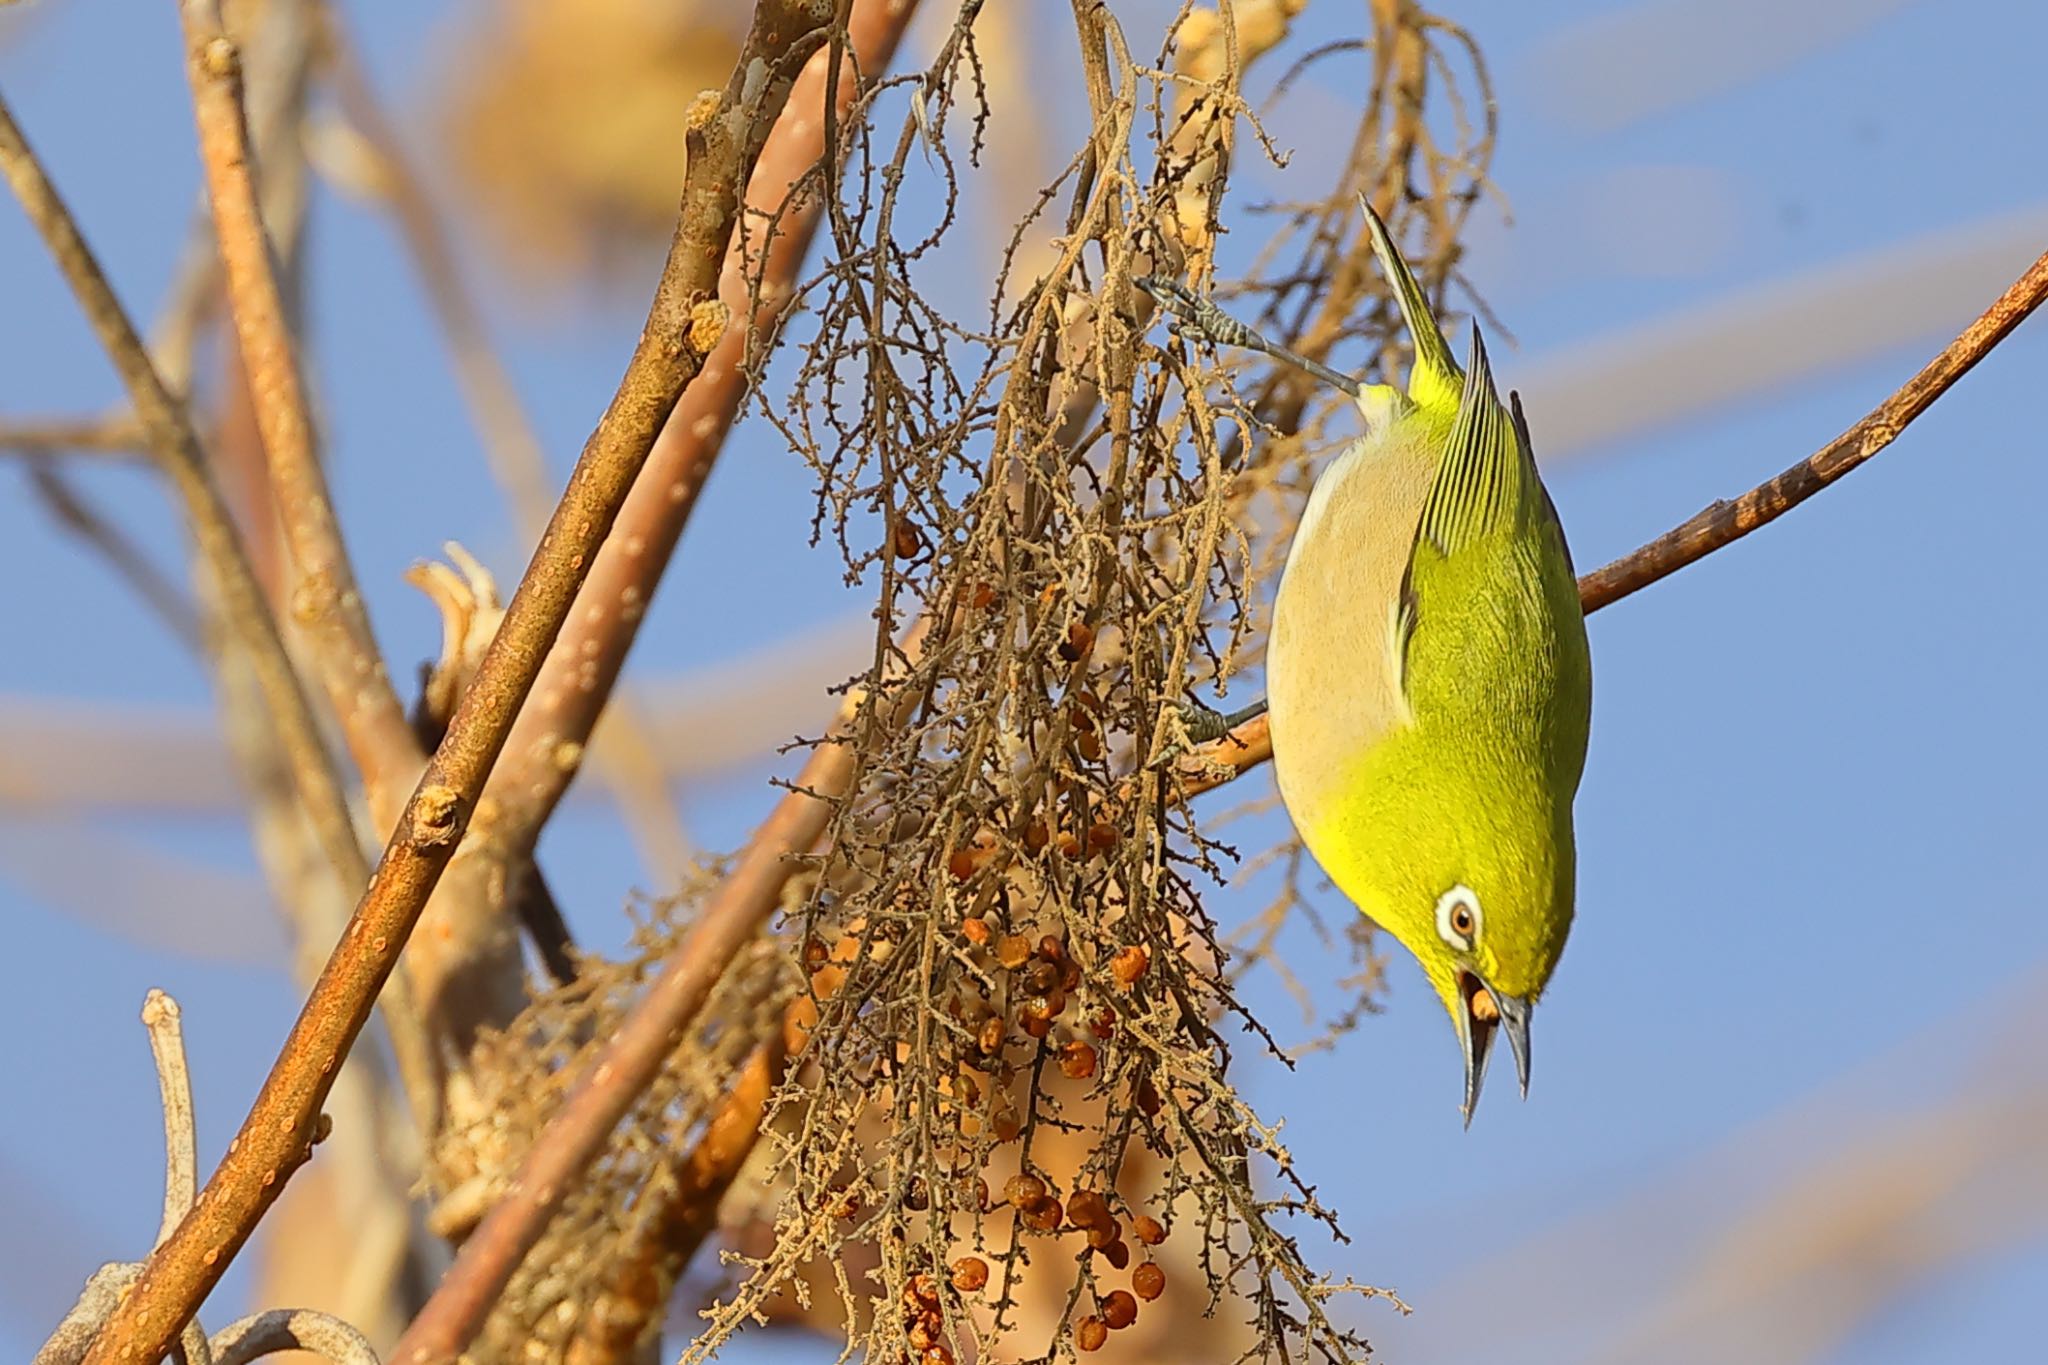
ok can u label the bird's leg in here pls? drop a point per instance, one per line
(1191, 315)
(1205, 724)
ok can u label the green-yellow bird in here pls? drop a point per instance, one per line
(1429, 683)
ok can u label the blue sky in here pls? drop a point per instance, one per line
(1811, 813)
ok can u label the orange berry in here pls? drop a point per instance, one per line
(1149, 1281)
(970, 1273)
(1130, 964)
(1024, 1191)
(1013, 950)
(1088, 1209)
(961, 864)
(976, 930)
(1077, 1061)
(990, 1039)
(1119, 1310)
(1080, 640)
(1043, 1216)
(1117, 1253)
(1090, 1333)
(1148, 1230)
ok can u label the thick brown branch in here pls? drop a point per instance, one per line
(326, 601)
(583, 668)
(725, 134)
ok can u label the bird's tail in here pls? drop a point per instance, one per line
(1436, 379)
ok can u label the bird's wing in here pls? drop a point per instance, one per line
(1479, 576)
(1484, 475)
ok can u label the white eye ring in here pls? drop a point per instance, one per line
(1458, 918)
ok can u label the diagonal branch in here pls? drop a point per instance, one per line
(1724, 523)
(246, 611)
(608, 1086)
(326, 602)
(553, 734)
(623, 749)
(725, 133)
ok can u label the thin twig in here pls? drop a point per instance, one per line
(629, 568)
(117, 435)
(181, 1139)
(1723, 523)
(725, 132)
(242, 603)
(327, 601)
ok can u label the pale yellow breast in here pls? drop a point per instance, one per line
(1332, 684)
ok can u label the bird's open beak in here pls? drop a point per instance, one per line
(1482, 1010)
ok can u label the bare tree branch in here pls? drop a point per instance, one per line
(181, 1140)
(118, 435)
(242, 602)
(291, 1329)
(544, 753)
(326, 600)
(725, 134)
(636, 1296)
(607, 1088)
(1726, 522)
(623, 747)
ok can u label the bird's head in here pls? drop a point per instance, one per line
(1488, 931)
